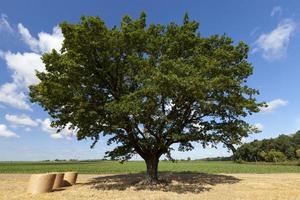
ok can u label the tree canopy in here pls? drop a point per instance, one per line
(147, 87)
(281, 148)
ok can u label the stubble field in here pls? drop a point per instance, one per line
(183, 180)
(181, 186)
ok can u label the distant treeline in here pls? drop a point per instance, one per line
(282, 148)
(73, 160)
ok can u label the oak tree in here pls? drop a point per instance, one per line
(147, 87)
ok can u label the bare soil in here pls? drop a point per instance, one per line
(175, 186)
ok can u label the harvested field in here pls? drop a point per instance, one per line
(180, 186)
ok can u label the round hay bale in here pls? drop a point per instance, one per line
(70, 178)
(59, 180)
(41, 183)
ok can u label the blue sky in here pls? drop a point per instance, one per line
(29, 28)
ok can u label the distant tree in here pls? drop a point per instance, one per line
(249, 152)
(275, 156)
(296, 138)
(263, 155)
(147, 87)
(188, 159)
(258, 150)
(284, 144)
(298, 153)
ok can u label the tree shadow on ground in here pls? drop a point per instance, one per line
(179, 182)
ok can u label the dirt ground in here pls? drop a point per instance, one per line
(177, 186)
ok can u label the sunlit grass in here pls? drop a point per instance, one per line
(111, 167)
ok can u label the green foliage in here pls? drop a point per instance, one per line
(264, 150)
(147, 87)
(239, 161)
(262, 155)
(298, 153)
(275, 156)
(249, 152)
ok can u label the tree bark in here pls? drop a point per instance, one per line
(152, 166)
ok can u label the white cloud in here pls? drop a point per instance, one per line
(259, 126)
(27, 38)
(65, 133)
(4, 24)
(56, 136)
(247, 139)
(276, 11)
(24, 65)
(45, 42)
(169, 105)
(21, 120)
(24, 120)
(274, 44)
(11, 95)
(198, 126)
(4, 132)
(272, 105)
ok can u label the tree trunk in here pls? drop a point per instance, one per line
(152, 165)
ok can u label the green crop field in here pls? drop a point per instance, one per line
(110, 167)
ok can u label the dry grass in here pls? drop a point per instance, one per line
(180, 186)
